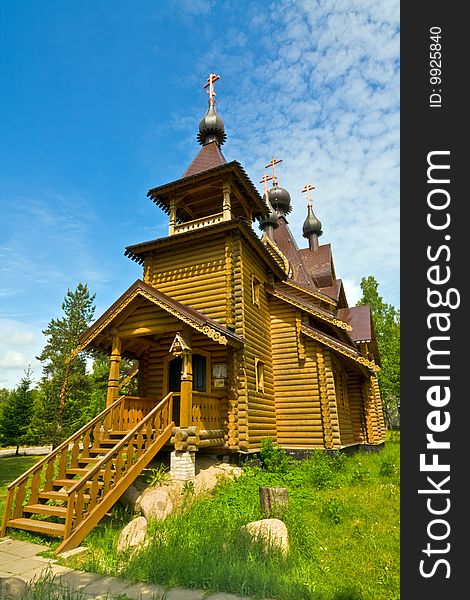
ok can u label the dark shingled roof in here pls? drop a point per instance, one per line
(360, 319)
(207, 158)
(287, 245)
(320, 264)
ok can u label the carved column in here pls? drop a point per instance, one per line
(114, 369)
(171, 228)
(226, 207)
(186, 389)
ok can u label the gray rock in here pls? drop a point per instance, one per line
(133, 535)
(154, 503)
(12, 588)
(271, 532)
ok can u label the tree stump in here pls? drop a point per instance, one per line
(273, 501)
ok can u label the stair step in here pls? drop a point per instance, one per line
(77, 470)
(88, 460)
(53, 495)
(56, 529)
(64, 482)
(46, 509)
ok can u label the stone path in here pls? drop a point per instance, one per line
(19, 562)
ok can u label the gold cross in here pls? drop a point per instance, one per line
(264, 180)
(274, 162)
(210, 84)
(307, 188)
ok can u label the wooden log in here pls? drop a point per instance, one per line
(273, 501)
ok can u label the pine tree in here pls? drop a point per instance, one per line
(386, 319)
(16, 413)
(64, 396)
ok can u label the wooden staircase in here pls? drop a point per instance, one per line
(69, 491)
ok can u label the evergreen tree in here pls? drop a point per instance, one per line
(16, 413)
(386, 319)
(64, 396)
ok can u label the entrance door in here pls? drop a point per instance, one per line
(174, 385)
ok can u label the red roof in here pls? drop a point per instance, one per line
(208, 157)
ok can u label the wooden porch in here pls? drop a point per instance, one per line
(69, 491)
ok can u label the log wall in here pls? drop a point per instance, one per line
(193, 273)
(256, 409)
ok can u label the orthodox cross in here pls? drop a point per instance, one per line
(272, 164)
(264, 180)
(307, 188)
(210, 84)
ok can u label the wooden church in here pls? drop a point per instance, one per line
(236, 336)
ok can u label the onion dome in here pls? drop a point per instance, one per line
(211, 128)
(311, 225)
(270, 220)
(280, 199)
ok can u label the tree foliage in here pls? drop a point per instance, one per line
(64, 395)
(386, 320)
(16, 413)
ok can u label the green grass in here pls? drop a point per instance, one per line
(12, 467)
(343, 523)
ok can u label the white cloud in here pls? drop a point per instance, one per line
(19, 344)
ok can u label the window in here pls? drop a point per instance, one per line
(199, 372)
(259, 369)
(255, 290)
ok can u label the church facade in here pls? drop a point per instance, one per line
(236, 337)
(251, 334)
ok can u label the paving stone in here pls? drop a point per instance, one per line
(6, 558)
(106, 585)
(183, 594)
(77, 580)
(20, 548)
(145, 591)
(24, 565)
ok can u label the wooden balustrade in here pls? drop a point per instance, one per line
(207, 411)
(123, 432)
(39, 478)
(198, 223)
(91, 496)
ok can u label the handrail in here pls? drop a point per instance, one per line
(65, 443)
(123, 442)
(210, 395)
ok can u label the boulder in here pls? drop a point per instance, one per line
(272, 533)
(154, 503)
(12, 588)
(133, 535)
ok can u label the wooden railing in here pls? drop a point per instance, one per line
(198, 223)
(91, 496)
(53, 466)
(207, 411)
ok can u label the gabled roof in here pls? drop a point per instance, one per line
(286, 243)
(360, 319)
(183, 313)
(320, 264)
(208, 157)
(291, 298)
(340, 347)
(138, 252)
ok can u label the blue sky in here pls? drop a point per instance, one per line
(100, 101)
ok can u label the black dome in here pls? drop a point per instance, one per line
(280, 199)
(211, 128)
(311, 224)
(270, 219)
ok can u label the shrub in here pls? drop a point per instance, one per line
(273, 458)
